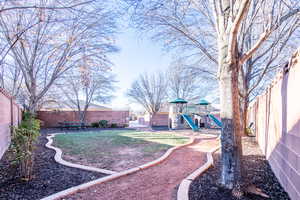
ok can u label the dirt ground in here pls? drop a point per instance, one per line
(119, 159)
(49, 176)
(257, 173)
(155, 183)
(120, 154)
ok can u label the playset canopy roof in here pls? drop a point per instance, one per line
(179, 100)
(203, 102)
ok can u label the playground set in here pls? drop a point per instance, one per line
(180, 117)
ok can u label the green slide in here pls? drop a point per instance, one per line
(190, 122)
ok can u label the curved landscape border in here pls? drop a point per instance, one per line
(112, 176)
(58, 158)
(183, 190)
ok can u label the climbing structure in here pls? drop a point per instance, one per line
(178, 117)
(204, 117)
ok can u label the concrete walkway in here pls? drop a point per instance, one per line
(154, 183)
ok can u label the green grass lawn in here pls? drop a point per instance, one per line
(107, 149)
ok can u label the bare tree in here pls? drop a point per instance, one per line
(149, 91)
(51, 48)
(23, 5)
(83, 85)
(235, 37)
(229, 24)
(184, 83)
(189, 27)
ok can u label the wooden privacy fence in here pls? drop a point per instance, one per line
(10, 115)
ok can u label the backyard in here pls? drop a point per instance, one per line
(115, 150)
(149, 100)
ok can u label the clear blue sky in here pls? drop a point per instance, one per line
(137, 55)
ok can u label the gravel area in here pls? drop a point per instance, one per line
(155, 183)
(257, 172)
(49, 176)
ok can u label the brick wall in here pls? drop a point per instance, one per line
(52, 118)
(10, 115)
(276, 115)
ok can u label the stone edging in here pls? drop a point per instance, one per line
(58, 158)
(183, 190)
(116, 175)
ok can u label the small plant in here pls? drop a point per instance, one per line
(114, 125)
(23, 144)
(249, 132)
(95, 124)
(103, 123)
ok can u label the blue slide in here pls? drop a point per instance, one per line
(215, 120)
(190, 122)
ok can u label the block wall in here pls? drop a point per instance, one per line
(276, 115)
(10, 115)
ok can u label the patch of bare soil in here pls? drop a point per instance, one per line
(118, 159)
(155, 183)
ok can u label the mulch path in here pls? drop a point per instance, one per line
(49, 176)
(257, 172)
(155, 183)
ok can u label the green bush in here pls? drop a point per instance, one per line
(23, 144)
(114, 125)
(95, 124)
(103, 123)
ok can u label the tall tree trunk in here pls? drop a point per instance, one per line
(32, 105)
(150, 120)
(244, 101)
(82, 116)
(231, 130)
(33, 101)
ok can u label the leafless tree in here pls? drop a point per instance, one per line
(6, 6)
(83, 85)
(184, 82)
(52, 47)
(274, 15)
(235, 37)
(189, 27)
(150, 91)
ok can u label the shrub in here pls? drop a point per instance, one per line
(23, 144)
(103, 123)
(249, 132)
(95, 124)
(114, 125)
